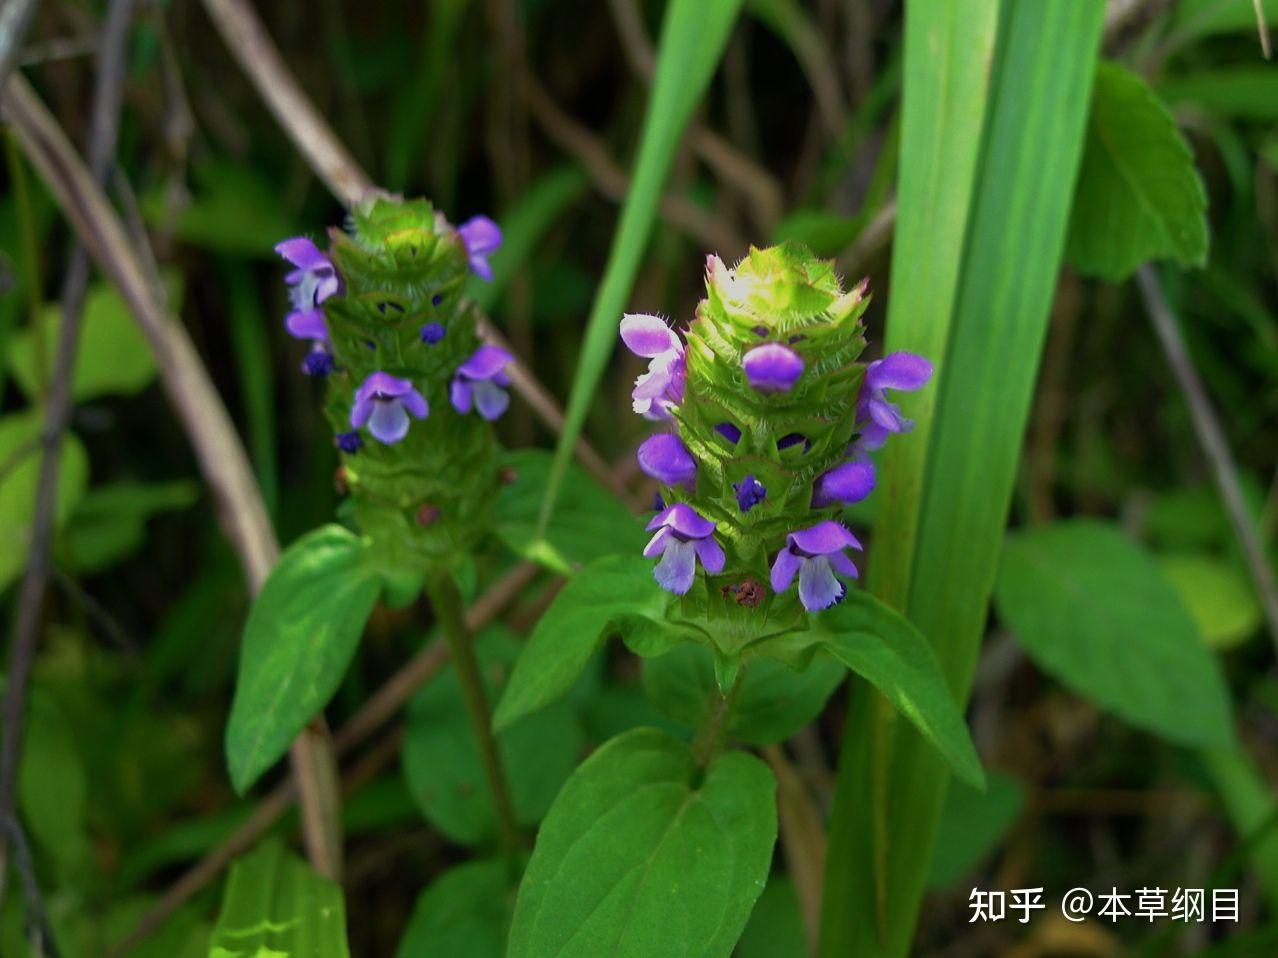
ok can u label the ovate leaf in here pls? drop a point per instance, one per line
(1093, 610)
(275, 906)
(879, 644)
(1138, 196)
(644, 855)
(614, 594)
(442, 762)
(301, 633)
(463, 914)
(1217, 594)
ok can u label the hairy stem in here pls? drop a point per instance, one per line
(447, 602)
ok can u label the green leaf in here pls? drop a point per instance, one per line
(109, 524)
(881, 645)
(53, 786)
(972, 824)
(775, 928)
(1240, 93)
(589, 521)
(234, 209)
(442, 763)
(463, 914)
(825, 233)
(1092, 609)
(694, 34)
(644, 855)
(274, 906)
(1193, 19)
(300, 637)
(1138, 196)
(613, 594)
(1218, 596)
(19, 477)
(772, 700)
(113, 359)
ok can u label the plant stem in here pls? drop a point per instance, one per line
(449, 608)
(714, 730)
(30, 263)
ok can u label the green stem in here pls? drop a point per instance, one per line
(30, 264)
(447, 602)
(714, 730)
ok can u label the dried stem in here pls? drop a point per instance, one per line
(802, 839)
(15, 20)
(104, 125)
(1212, 439)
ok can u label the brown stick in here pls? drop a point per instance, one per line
(802, 840)
(218, 450)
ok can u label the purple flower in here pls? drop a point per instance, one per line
(682, 538)
(385, 402)
(666, 459)
(314, 280)
(481, 237)
(432, 333)
(750, 492)
(878, 417)
(772, 368)
(481, 381)
(848, 483)
(662, 385)
(349, 442)
(729, 432)
(319, 361)
(816, 554)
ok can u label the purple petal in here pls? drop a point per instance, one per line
(677, 567)
(416, 404)
(772, 367)
(302, 253)
(888, 416)
(481, 235)
(784, 567)
(648, 336)
(490, 399)
(480, 266)
(791, 439)
(361, 410)
(710, 553)
(823, 538)
(389, 422)
(383, 384)
(729, 432)
(850, 482)
(486, 362)
(666, 459)
(459, 394)
(898, 371)
(818, 588)
(306, 324)
(657, 544)
(432, 333)
(872, 437)
(750, 492)
(349, 442)
(843, 565)
(684, 520)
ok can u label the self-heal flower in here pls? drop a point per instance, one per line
(878, 417)
(350, 442)
(384, 402)
(662, 385)
(480, 381)
(314, 280)
(432, 333)
(682, 539)
(815, 554)
(319, 361)
(750, 492)
(666, 459)
(848, 483)
(481, 237)
(772, 368)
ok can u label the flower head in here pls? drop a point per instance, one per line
(432, 333)
(877, 416)
(848, 483)
(750, 492)
(772, 368)
(480, 381)
(682, 538)
(384, 402)
(666, 459)
(350, 442)
(662, 385)
(314, 279)
(815, 554)
(481, 237)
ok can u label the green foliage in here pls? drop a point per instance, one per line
(1217, 594)
(275, 905)
(300, 636)
(775, 927)
(234, 210)
(614, 594)
(1241, 93)
(972, 824)
(53, 786)
(589, 522)
(442, 762)
(693, 36)
(646, 855)
(771, 702)
(463, 914)
(1092, 609)
(109, 523)
(880, 645)
(19, 478)
(1138, 196)
(1192, 19)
